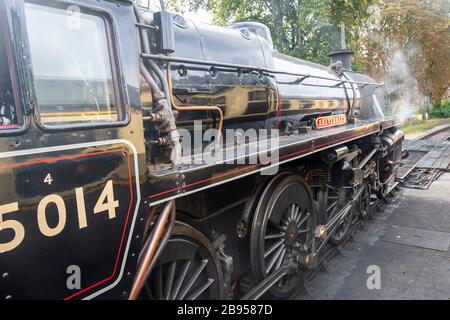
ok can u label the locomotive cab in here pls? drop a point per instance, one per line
(8, 114)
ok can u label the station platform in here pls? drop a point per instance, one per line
(408, 239)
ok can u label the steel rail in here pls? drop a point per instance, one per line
(425, 137)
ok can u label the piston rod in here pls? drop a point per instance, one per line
(266, 284)
(332, 225)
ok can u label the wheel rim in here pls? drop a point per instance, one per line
(283, 226)
(281, 238)
(187, 270)
(335, 200)
(364, 202)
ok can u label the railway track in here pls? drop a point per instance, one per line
(433, 140)
(419, 149)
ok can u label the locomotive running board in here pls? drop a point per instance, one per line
(171, 182)
(266, 284)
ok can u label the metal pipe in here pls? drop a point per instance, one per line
(351, 111)
(155, 70)
(157, 93)
(194, 108)
(163, 242)
(149, 251)
(163, 5)
(247, 67)
(266, 284)
(147, 26)
(144, 47)
(367, 158)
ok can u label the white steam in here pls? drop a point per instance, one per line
(406, 99)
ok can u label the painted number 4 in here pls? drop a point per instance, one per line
(48, 179)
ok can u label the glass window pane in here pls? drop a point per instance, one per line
(8, 115)
(71, 65)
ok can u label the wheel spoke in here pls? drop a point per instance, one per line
(280, 259)
(296, 213)
(180, 280)
(274, 259)
(303, 220)
(274, 236)
(191, 282)
(303, 231)
(292, 216)
(277, 226)
(169, 281)
(299, 215)
(334, 204)
(273, 247)
(158, 283)
(200, 290)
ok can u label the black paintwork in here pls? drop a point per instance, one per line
(89, 156)
(37, 267)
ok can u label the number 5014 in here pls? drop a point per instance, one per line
(104, 203)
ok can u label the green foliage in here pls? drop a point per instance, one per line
(375, 29)
(441, 110)
(308, 29)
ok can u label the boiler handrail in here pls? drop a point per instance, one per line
(252, 68)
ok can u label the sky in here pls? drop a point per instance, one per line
(200, 16)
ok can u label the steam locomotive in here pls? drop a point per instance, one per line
(147, 156)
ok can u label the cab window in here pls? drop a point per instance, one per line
(72, 65)
(8, 114)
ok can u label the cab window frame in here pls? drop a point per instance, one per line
(19, 97)
(121, 106)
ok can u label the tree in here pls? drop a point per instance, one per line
(308, 29)
(385, 35)
(408, 42)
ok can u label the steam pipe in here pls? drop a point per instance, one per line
(145, 45)
(158, 94)
(147, 256)
(247, 67)
(351, 110)
(155, 70)
(192, 108)
(163, 243)
(163, 5)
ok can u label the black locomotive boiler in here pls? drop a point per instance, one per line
(107, 114)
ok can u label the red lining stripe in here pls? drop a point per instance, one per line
(280, 108)
(9, 126)
(121, 240)
(15, 165)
